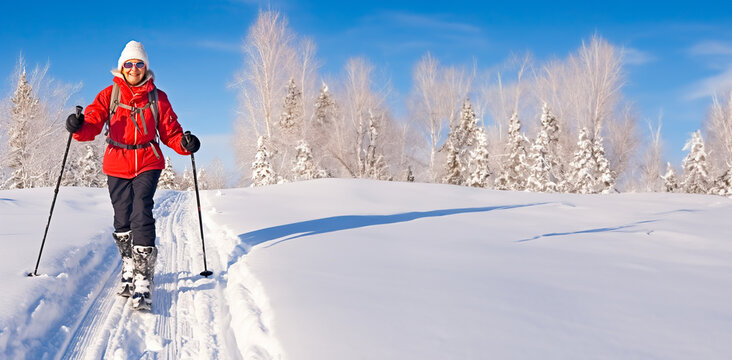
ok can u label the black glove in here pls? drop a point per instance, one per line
(74, 123)
(190, 142)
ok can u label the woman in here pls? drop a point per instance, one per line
(135, 114)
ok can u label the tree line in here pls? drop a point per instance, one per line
(563, 125)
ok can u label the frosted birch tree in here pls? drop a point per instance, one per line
(217, 176)
(436, 102)
(718, 126)
(651, 177)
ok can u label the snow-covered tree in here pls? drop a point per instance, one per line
(217, 176)
(435, 105)
(186, 180)
(89, 170)
(589, 170)
(460, 140)
(670, 179)
(543, 156)
(651, 177)
(515, 170)
(25, 109)
(33, 138)
(479, 160)
(292, 107)
(304, 167)
(262, 172)
(167, 177)
(202, 179)
(325, 106)
(374, 164)
(718, 126)
(606, 177)
(723, 184)
(696, 177)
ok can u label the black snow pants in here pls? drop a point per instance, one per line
(132, 200)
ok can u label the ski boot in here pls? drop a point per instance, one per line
(124, 244)
(144, 259)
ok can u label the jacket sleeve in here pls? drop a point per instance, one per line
(169, 129)
(95, 115)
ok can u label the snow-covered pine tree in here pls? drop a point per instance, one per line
(723, 184)
(478, 162)
(71, 174)
(186, 180)
(589, 170)
(461, 138)
(696, 178)
(292, 107)
(262, 171)
(374, 164)
(304, 167)
(670, 179)
(89, 169)
(515, 170)
(25, 108)
(167, 177)
(543, 158)
(605, 177)
(324, 106)
(580, 177)
(454, 168)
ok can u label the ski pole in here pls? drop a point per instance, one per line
(205, 271)
(55, 193)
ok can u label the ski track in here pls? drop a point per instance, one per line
(184, 321)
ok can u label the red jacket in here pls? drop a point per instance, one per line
(125, 163)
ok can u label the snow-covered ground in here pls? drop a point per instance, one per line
(355, 269)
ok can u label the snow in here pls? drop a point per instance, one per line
(348, 269)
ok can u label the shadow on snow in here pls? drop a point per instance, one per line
(347, 222)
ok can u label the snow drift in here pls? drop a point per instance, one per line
(335, 269)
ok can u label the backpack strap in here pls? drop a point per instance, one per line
(152, 99)
(113, 103)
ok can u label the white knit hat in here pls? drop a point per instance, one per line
(133, 50)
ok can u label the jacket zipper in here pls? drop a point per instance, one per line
(135, 142)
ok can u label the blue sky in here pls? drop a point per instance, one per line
(679, 53)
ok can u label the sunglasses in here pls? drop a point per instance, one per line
(130, 64)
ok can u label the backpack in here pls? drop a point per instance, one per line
(152, 103)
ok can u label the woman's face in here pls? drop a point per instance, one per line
(134, 74)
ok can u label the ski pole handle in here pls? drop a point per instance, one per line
(79, 109)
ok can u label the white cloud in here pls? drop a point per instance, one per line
(711, 48)
(706, 88)
(635, 56)
(433, 23)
